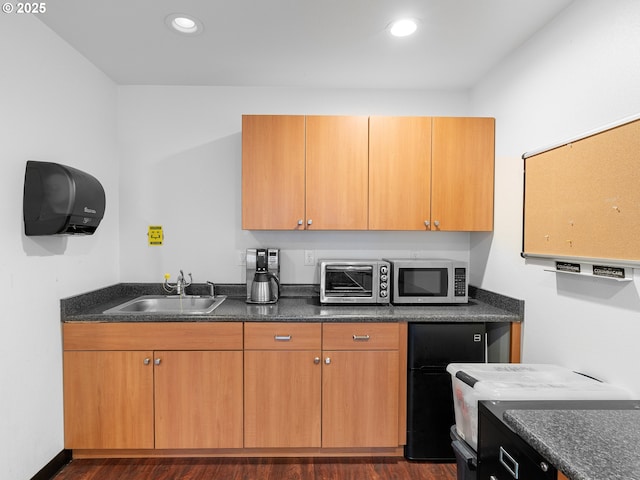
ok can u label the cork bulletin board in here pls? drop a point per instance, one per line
(582, 197)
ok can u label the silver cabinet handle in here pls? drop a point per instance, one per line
(361, 338)
(282, 338)
(544, 466)
(146, 361)
(309, 222)
(157, 361)
(316, 360)
(327, 361)
(300, 222)
(427, 223)
(437, 223)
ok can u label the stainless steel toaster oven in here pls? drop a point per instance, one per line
(354, 281)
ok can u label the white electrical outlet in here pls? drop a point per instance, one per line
(309, 258)
(241, 257)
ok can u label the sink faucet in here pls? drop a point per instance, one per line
(180, 284)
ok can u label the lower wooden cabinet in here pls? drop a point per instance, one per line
(299, 396)
(145, 399)
(213, 386)
(198, 399)
(282, 399)
(360, 399)
(282, 385)
(108, 399)
(360, 385)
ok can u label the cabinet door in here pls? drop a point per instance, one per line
(360, 399)
(108, 399)
(273, 172)
(399, 173)
(282, 399)
(462, 174)
(198, 399)
(337, 172)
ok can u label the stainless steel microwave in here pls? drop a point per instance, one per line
(354, 281)
(425, 281)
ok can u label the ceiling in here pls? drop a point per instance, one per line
(299, 43)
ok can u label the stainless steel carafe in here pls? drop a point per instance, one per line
(265, 288)
(263, 275)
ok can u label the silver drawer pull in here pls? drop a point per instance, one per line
(282, 338)
(509, 463)
(361, 338)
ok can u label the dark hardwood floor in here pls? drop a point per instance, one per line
(256, 469)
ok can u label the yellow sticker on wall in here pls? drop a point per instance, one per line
(155, 235)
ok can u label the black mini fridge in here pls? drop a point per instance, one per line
(431, 347)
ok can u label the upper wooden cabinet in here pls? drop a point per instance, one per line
(399, 173)
(337, 170)
(273, 172)
(304, 172)
(462, 172)
(431, 174)
(376, 173)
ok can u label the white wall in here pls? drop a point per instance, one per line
(582, 71)
(54, 106)
(182, 169)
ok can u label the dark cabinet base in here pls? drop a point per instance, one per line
(503, 455)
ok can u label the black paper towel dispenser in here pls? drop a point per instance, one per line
(61, 200)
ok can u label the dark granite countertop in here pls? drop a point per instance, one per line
(298, 303)
(585, 444)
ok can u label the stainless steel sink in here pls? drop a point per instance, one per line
(169, 304)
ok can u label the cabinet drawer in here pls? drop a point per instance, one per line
(153, 336)
(282, 336)
(360, 336)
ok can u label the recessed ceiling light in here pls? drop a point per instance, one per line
(403, 28)
(182, 23)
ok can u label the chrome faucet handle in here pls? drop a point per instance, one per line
(183, 280)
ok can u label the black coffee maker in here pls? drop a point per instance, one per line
(263, 275)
